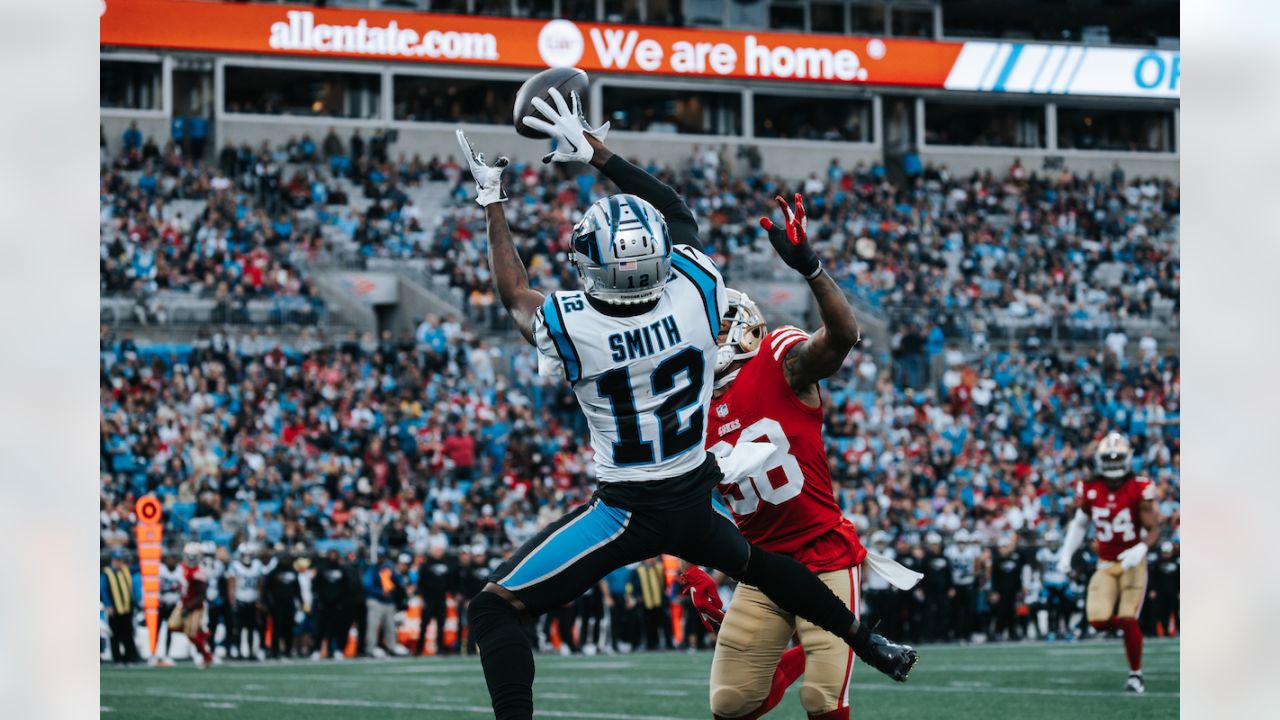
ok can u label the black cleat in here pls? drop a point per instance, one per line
(888, 657)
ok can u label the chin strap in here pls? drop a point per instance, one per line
(725, 379)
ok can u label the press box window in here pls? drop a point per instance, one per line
(129, 85)
(866, 19)
(1116, 130)
(673, 111)
(786, 16)
(436, 99)
(1017, 126)
(912, 22)
(809, 118)
(274, 91)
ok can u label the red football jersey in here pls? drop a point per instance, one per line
(792, 510)
(196, 579)
(1115, 512)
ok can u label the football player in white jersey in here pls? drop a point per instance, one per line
(638, 345)
(244, 579)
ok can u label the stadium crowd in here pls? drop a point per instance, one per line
(1082, 253)
(1019, 247)
(369, 463)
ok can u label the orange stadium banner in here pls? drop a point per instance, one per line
(293, 30)
(149, 533)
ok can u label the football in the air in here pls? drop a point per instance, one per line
(564, 79)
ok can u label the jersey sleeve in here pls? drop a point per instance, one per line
(556, 354)
(779, 342)
(1146, 489)
(701, 270)
(681, 224)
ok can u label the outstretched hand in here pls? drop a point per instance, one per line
(488, 177)
(791, 239)
(567, 126)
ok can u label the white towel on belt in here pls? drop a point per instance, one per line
(748, 458)
(892, 571)
(744, 459)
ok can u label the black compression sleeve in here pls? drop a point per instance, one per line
(798, 591)
(631, 179)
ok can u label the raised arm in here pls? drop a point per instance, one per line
(576, 141)
(631, 179)
(824, 352)
(509, 276)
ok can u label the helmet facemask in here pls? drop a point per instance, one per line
(1112, 458)
(742, 338)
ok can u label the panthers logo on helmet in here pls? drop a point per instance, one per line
(622, 251)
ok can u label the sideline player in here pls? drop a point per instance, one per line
(1122, 508)
(767, 389)
(638, 345)
(188, 616)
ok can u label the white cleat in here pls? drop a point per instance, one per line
(1135, 684)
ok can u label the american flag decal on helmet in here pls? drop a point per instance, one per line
(627, 265)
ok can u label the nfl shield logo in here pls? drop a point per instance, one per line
(722, 409)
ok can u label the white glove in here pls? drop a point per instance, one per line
(488, 177)
(567, 127)
(1064, 564)
(1134, 556)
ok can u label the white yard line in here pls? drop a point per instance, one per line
(375, 704)
(966, 690)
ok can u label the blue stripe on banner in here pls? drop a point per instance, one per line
(1043, 61)
(706, 283)
(564, 347)
(1007, 70)
(584, 534)
(1071, 80)
(982, 79)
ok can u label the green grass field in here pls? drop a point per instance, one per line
(1034, 681)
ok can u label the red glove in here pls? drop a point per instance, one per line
(791, 240)
(702, 591)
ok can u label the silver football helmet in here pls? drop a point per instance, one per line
(1112, 457)
(622, 251)
(742, 338)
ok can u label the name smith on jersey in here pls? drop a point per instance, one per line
(644, 341)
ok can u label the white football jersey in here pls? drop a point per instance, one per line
(644, 381)
(247, 577)
(170, 585)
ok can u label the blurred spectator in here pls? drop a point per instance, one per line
(282, 593)
(120, 595)
(650, 578)
(384, 583)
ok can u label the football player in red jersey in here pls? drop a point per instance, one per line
(1122, 508)
(767, 390)
(189, 613)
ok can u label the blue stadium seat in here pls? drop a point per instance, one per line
(343, 546)
(122, 462)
